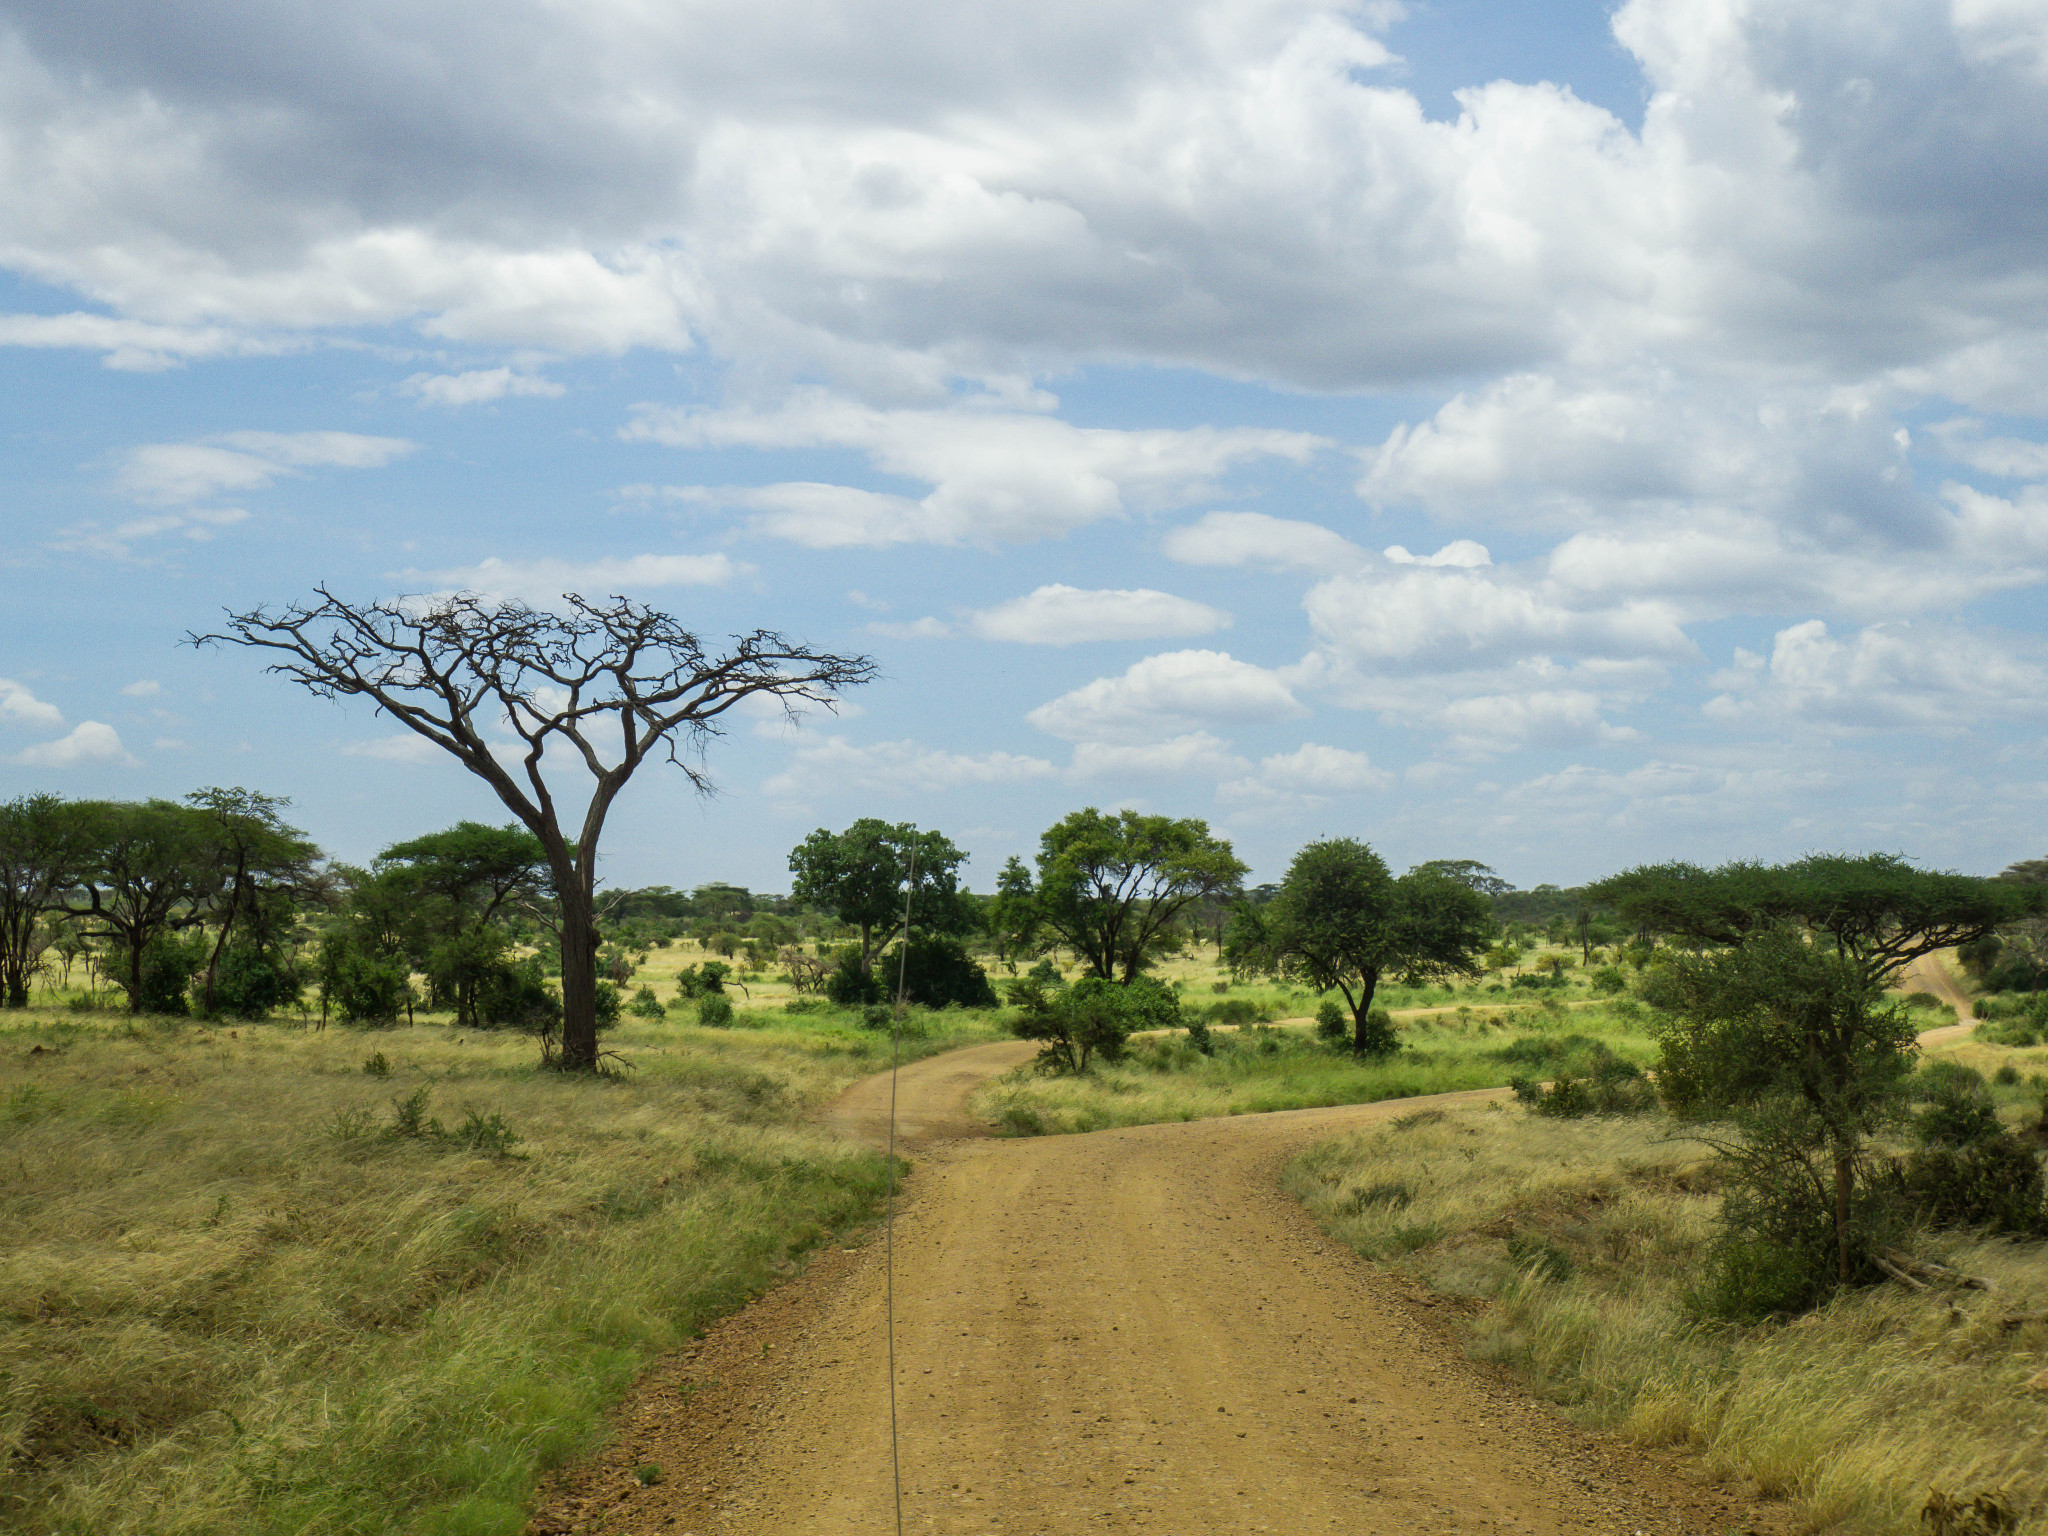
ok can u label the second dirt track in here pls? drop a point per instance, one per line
(1131, 1330)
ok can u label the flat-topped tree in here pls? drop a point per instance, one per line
(607, 683)
(1875, 909)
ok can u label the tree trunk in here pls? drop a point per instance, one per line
(1845, 1173)
(1368, 984)
(579, 980)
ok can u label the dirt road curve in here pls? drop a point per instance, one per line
(1930, 974)
(1133, 1330)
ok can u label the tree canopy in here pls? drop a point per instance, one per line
(1341, 920)
(1111, 884)
(45, 848)
(1877, 909)
(605, 685)
(858, 876)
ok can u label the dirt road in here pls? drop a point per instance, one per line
(1132, 1330)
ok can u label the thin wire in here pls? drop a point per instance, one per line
(889, 1224)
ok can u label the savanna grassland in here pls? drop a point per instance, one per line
(1574, 1246)
(1264, 1055)
(265, 1277)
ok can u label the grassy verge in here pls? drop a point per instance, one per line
(1263, 1068)
(1575, 1243)
(245, 1289)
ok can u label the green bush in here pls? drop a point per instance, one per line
(608, 1002)
(1994, 1182)
(1332, 1026)
(852, 985)
(1092, 1018)
(938, 973)
(1959, 1109)
(516, 996)
(1587, 1079)
(169, 962)
(714, 1010)
(646, 1005)
(250, 982)
(1610, 980)
(1238, 1010)
(361, 983)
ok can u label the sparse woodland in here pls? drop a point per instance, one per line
(307, 1232)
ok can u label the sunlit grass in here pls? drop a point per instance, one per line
(1259, 1069)
(1583, 1239)
(232, 1301)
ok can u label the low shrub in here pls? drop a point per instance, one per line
(1331, 1025)
(714, 1011)
(646, 1005)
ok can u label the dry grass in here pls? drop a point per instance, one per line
(1258, 1070)
(1581, 1239)
(231, 1301)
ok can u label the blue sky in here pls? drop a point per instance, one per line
(1559, 435)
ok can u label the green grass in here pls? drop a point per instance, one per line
(1264, 1068)
(232, 1300)
(1579, 1242)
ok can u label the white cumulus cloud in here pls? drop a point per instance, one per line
(997, 476)
(171, 473)
(90, 742)
(478, 386)
(18, 704)
(833, 765)
(1253, 538)
(1171, 694)
(1063, 615)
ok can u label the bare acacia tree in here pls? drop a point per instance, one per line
(612, 679)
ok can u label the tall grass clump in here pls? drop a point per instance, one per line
(1586, 1241)
(250, 1286)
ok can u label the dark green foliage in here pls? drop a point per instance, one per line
(1609, 980)
(1092, 1018)
(1970, 1170)
(699, 980)
(1539, 981)
(1200, 1038)
(169, 962)
(877, 1016)
(852, 984)
(375, 1065)
(646, 1005)
(1340, 921)
(1586, 1078)
(1788, 1039)
(1783, 1238)
(1238, 1010)
(252, 983)
(517, 996)
(936, 973)
(1331, 1025)
(1112, 885)
(714, 1010)
(1539, 1257)
(1993, 1182)
(44, 848)
(607, 1006)
(1373, 1036)
(1959, 1109)
(859, 876)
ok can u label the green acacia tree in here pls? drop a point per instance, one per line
(858, 876)
(1342, 921)
(1777, 1015)
(264, 868)
(458, 886)
(44, 849)
(152, 868)
(1112, 885)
